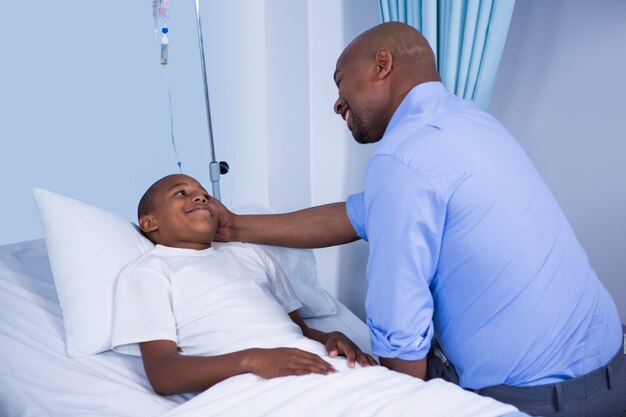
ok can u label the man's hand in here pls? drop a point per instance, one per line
(272, 363)
(225, 221)
(338, 344)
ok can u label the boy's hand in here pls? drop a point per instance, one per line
(225, 219)
(338, 344)
(272, 363)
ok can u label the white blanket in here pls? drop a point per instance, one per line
(361, 392)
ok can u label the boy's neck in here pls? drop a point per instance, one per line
(186, 245)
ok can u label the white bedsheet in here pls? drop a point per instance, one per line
(38, 379)
(364, 392)
(36, 376)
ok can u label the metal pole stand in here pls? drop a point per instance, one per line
(215, 168)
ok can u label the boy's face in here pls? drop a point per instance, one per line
(181, 216)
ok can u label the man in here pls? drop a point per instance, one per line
(466, 242)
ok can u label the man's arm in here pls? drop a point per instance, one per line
(315, 227)
(169, 372)
(414, 368)
(406, 223)
(336, 343)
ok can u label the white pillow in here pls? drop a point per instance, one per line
(88, 246)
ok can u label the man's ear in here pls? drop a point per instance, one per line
(148, 223)
(384, 63)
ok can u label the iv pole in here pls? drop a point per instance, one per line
(215, 168)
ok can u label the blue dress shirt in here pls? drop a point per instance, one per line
(467, 242)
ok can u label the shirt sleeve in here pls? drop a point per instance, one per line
(405, 219)
(279, 284)
(356, 214)
(142, 310)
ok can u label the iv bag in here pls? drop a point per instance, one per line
(160, 12)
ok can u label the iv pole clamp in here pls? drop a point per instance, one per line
(215, 168)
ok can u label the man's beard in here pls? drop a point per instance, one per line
(362, 134)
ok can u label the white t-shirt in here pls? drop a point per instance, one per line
(209, 302)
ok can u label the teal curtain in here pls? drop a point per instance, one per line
(467, 37)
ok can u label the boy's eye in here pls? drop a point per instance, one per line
(181, 192)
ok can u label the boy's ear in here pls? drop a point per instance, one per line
(148, 223)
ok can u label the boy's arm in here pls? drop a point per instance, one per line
(169, 372)
(336, 343)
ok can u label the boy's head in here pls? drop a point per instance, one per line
(175, 212)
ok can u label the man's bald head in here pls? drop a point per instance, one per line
(375, 73)
(411, 51)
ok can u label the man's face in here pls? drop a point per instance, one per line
(359, 102)
(183, 215)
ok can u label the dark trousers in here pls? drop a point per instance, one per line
(600, 393)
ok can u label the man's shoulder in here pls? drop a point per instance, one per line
(426, 152)
(415, 142)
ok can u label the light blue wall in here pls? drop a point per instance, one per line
(84, 103)
(80, 92)
(83, 109)
(288, 110)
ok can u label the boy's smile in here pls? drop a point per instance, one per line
(199, 208)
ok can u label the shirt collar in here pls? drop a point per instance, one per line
(414, 100)
(168, 250)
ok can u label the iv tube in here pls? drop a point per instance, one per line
(169, 95)
(160, 12)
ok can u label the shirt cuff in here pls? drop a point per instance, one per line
(356, 213)
(409, 347)
(129, 345)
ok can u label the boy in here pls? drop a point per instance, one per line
(198, 315)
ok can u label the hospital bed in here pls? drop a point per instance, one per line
(38, 378)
